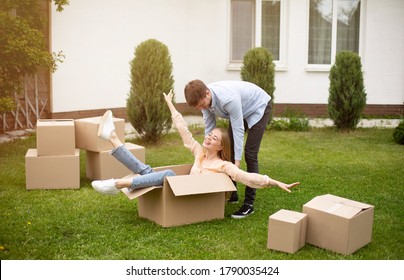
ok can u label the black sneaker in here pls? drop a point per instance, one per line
(233, 198)
(244, 211)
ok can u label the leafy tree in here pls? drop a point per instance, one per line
(22, 48)
(347, 96)
(258, 68)
(151, 75)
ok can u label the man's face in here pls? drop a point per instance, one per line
(205, 102)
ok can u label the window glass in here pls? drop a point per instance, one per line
(270, 27)
(348, 25)
(320, 31)
(242, 28)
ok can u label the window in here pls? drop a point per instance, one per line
(256, 23)
(334, 26)
(242, 28)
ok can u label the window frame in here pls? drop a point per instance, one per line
(327, 67)
(281, 64)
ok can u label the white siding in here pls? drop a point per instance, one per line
(99, 37)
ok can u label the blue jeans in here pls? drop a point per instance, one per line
(149, 177)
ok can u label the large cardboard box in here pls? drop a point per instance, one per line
(287, 231)
(86, 134)
(102, 165)
(55, 137)
(184, 199)
(52, 172)
(338, 224)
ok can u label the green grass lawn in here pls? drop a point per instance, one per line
(365, 165)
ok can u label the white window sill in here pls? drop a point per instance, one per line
(318, 68)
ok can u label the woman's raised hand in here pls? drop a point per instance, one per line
(168, 97)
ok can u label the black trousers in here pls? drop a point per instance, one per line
(251, 149)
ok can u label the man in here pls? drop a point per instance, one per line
(247, 107)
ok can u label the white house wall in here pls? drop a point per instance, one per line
(384, 52)
(98, 38)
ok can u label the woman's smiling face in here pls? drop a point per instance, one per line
(213, 141)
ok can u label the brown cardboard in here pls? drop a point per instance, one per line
(55, 137)
(287, 231)
(102, 165)
(86, 134)
(52, 172)
(338, 224)
(184, 199)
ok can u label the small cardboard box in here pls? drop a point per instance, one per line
(287, 231)
(52, 172)
(55, 137)
(184, 199)
(102, 165)
(86, 134)
(338, 224)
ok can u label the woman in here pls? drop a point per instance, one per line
(213, 156)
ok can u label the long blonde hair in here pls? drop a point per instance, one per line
(225, 152)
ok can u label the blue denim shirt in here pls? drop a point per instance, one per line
(236, 101)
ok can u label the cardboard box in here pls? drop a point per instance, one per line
(55, 137)
(102, 165)
(52, 172)
(338, 224)
(86, 130)
(184, 199)
(287, 231)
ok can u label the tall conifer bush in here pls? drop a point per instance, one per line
(258, 68)
(151, 75)
(347, 96)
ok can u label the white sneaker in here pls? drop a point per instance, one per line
(106, 126)
(105, 186)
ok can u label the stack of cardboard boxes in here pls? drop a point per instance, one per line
(55, 163)
(327, 221)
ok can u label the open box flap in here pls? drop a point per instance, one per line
(200, 184)
(138, 192)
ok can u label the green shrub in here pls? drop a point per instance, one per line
(398, 133)
(151, 75)
(291, 121)
(258, 68)
(347, 96)
(279, 124)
